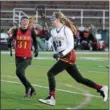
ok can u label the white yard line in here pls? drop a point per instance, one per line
(87, 98)
(85, 93)
(81, 58)
(68, 85)
(81, 105)
(48, 66)
(77, 52)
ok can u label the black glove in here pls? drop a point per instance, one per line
(35, 53)
(57, 55)
(9, 44)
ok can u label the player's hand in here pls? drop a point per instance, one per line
(57, 56)
(35, 53)
(9, 43)
(10, 31)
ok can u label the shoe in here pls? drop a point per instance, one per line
(33, 93)
(104, 92)
(30, 92)
(50, 100)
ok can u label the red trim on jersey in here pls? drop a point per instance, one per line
(69, 58)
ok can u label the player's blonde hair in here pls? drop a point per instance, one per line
(64, 20)
(32, 21)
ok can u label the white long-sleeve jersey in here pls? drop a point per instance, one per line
(62, 40)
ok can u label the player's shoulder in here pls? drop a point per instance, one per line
(53, 30)
(15, 30)
(67, 28)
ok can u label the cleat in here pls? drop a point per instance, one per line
(104, 92)
(50, 100)
(33, 93)
(30, 93)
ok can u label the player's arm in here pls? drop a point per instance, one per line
(35, 44)
(49, 42)
(69, 40)
(12, 32)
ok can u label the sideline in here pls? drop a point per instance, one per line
(77, 52)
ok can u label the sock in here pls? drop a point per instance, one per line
(52, 93)
(97, 87)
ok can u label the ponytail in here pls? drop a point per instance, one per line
(64, 20)
(69, 24)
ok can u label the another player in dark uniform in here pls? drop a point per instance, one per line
(87, 40)
(23, 37)
(63, 42)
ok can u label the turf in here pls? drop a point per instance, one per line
(12, 92)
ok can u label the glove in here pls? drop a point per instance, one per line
(35, 53)
(57, 56)
(9, 44)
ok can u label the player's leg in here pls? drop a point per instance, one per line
(22, 64)
(75, 73)
(57, 68)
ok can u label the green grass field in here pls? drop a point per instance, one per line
(70, 94)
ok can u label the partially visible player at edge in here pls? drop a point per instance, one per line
(63, 42)
(23, 37)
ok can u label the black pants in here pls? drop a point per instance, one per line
(21, 65)
(72, 70)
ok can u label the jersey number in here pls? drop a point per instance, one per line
(22, 44)
(56, 44)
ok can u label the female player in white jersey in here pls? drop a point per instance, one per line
(62, 39)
